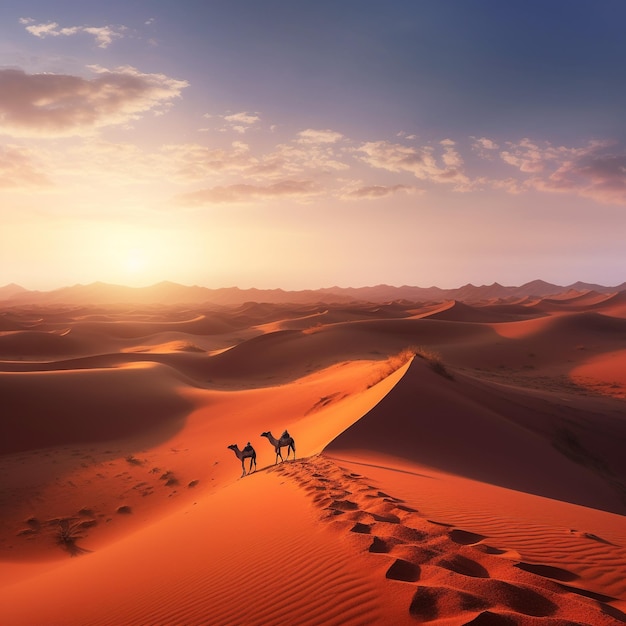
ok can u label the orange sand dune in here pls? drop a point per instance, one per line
(614, 305)
(586, 301)
(482, 482)
(605, 374)
(460, 312)
(493, 434)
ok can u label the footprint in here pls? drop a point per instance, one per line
(489, 618)
(361, 528)
(523, 599)
(344, 505)
(380, 546)
(483, 547)
(430, 603)
(547, 571)
(389, 518)
(462, 565)
(404, 570)
(464, 537)
(407, 509)
(393, 500)
(408, 535)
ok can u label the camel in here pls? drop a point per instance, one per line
(247, 453)
(284, 442)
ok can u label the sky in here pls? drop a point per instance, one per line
(299, 145)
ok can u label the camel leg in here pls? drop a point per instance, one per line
(278, 454)
(243, 469)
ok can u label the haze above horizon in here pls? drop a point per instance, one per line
(280, 145)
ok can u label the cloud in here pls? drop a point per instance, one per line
(598, 176)
(483, 143)
(310, 136)
(420, 162)
(64, 105)
(596, 170)
(195, 162)
(297, 157)
(103, 35)
(244, 193)
(242, 118)
(373, 192)
(19, 170)
(485, 148)
(239, 122)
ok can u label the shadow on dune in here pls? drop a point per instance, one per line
(43, 409)
(492, 434)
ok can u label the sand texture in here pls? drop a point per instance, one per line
(455, 463)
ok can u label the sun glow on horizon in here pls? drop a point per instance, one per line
(136, 256)
(135, 263)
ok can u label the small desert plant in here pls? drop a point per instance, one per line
(396, 361)
(393, 363)
(187, 346)
(69, 532)
(169, 478)
(434, 360)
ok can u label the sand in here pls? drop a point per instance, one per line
(456, 463)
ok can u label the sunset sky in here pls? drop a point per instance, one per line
(283, 143)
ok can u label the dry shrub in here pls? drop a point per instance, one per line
(393, 363)
(434, 360)
(188, 346)
(69, 532)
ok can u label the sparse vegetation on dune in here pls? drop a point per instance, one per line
(68, 532)
(434, 360)
(393, 363)
(396, 361)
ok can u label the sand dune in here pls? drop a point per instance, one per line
(460, 312)
(455, 463)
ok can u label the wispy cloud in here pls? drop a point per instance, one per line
(311, 136)
(19, 169)
(239, 122)
(596, 170)
(61, 104)
(197, 162)
(244, 193)
(374, 192)
(421, 162)
(103, 35)
(485, 144)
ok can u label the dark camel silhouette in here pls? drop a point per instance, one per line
(286, 441)
(247, 453)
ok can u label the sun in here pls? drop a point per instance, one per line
(135, 262)
(135, 256)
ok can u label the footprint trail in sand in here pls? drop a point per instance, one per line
(459, 578)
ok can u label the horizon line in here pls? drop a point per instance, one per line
(305, 289)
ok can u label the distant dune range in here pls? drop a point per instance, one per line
(459, 455)
(168, 293)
